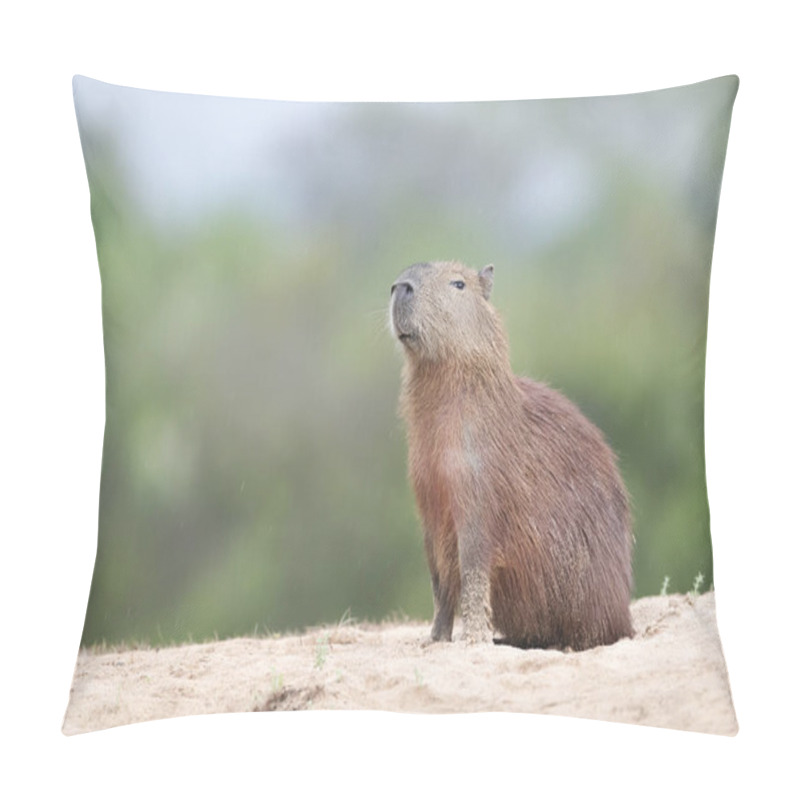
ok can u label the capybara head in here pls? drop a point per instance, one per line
(441, 310)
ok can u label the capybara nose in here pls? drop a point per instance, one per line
(403, 288)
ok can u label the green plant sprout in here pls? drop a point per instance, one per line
(698, 582)
(321, 653)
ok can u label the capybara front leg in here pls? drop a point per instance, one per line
(476, 606)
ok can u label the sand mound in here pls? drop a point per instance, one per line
(671, 674)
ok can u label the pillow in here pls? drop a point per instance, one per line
(258, 542)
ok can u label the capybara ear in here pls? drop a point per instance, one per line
(486, 277)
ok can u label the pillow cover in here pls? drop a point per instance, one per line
(253, 478)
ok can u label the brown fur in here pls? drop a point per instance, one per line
(525, 515)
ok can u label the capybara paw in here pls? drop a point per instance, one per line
(478, 636)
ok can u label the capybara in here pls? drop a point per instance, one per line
(525, 515)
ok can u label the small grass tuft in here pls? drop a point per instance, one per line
(665, 586)
(322, 651)
(346, 619)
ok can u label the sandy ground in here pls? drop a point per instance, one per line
(671, 674)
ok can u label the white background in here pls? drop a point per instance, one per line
(51, 363)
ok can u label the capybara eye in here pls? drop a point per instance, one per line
(458, 284)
